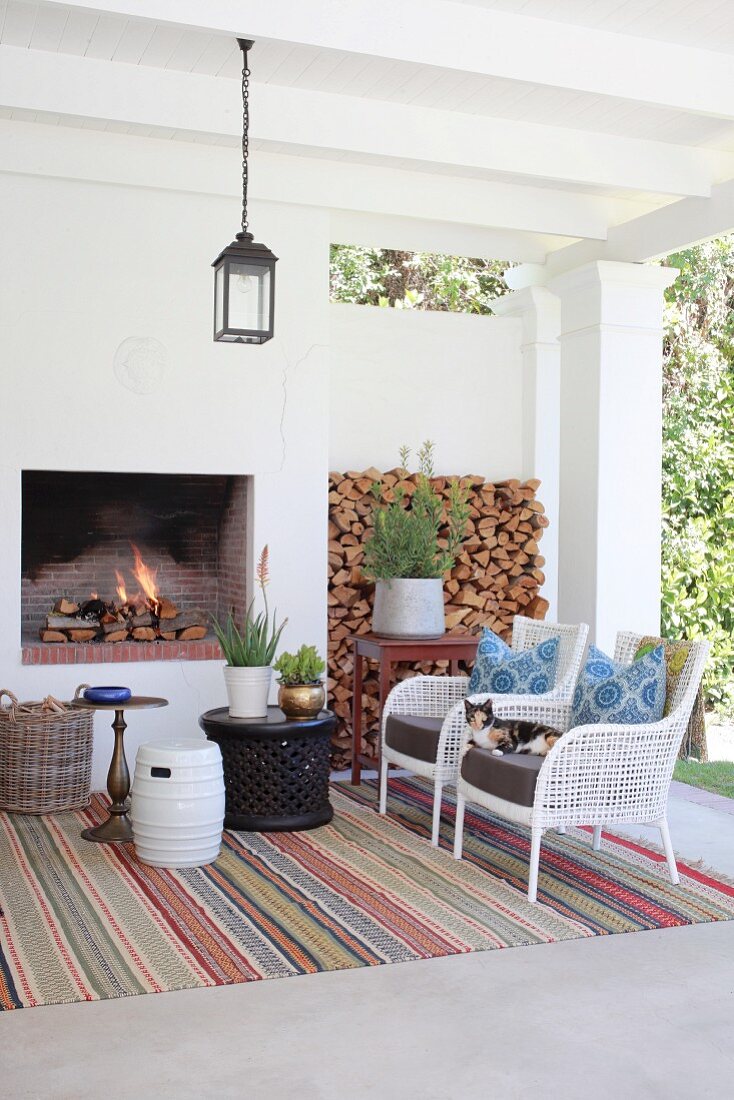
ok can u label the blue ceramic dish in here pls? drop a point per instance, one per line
(107, 694)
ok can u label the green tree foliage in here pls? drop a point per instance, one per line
(415, 280)
(698, 458)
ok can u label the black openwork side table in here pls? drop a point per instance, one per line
(276, 770)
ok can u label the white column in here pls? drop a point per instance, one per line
(611, 446)
(539, 312)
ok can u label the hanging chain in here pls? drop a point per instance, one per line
(245, 132)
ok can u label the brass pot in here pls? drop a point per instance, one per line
(301, 700)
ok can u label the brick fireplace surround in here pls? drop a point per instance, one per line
(77, 529)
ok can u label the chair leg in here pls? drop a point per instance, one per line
(535, 838)
(459, 828)
(383, 783)
(437, 794)
(596, 842)
(669, 855)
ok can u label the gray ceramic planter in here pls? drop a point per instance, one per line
(409, 608)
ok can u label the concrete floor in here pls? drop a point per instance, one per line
(646, 1015)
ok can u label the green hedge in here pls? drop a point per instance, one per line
(698, 458)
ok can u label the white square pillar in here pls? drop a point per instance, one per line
(611, 446)
(539, 312)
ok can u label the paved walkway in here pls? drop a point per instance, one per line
(702, 797)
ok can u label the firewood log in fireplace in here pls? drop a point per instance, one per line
(65, 607)
(70, 622)
(192, 633)
(116, 626)
(96, 620)
(197, 617)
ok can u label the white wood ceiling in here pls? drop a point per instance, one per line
(115, 40)
(708, 24)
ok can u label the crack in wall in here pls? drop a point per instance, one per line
(289, 367)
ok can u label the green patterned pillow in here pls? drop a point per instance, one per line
(676, 655)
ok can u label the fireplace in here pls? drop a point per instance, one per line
(84, 539)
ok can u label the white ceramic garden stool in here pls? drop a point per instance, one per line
(177, 803)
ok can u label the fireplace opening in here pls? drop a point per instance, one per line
(129, 566)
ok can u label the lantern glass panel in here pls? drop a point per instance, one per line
(218, 299)
(249, 297)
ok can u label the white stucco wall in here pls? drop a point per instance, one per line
(83, 266)
(402, 376)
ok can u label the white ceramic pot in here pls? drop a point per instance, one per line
(409, 608)
(177, 803)
(247, 690)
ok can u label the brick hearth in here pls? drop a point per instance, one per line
(39, 653)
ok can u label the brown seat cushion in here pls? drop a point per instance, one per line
(512, 777)
(414, 736)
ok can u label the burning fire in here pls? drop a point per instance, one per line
(121, 587)
(146, 578)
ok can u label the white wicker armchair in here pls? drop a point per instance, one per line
(443, 697)
(600, 775)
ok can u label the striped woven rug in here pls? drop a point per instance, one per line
(85, 922)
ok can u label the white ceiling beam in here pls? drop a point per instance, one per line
(418, 235)
(675, 226)
(59, 83)
(651, 236)
(35, 149)
(466, 38)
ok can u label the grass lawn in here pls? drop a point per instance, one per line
(717, 776)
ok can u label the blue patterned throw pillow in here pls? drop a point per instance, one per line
(608, 691)
(500, 670)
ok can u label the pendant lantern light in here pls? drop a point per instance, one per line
(244, 271)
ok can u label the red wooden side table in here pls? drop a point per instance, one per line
(393, 651)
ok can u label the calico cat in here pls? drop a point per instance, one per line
(506, 735)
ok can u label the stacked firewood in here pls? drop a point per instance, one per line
(497, 575)
(97, 620)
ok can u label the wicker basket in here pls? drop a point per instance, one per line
(45, 755)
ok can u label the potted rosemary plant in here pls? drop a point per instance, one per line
(301, 692)
(414, 542)
(249, 651)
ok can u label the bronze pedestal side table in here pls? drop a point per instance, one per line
(117, 829)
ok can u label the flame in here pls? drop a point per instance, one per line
(146, 578)
(121, 587)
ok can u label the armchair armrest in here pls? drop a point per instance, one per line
(605, 773)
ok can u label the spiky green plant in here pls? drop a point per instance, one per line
(252, 645)
(303, 667)
(420, 538)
